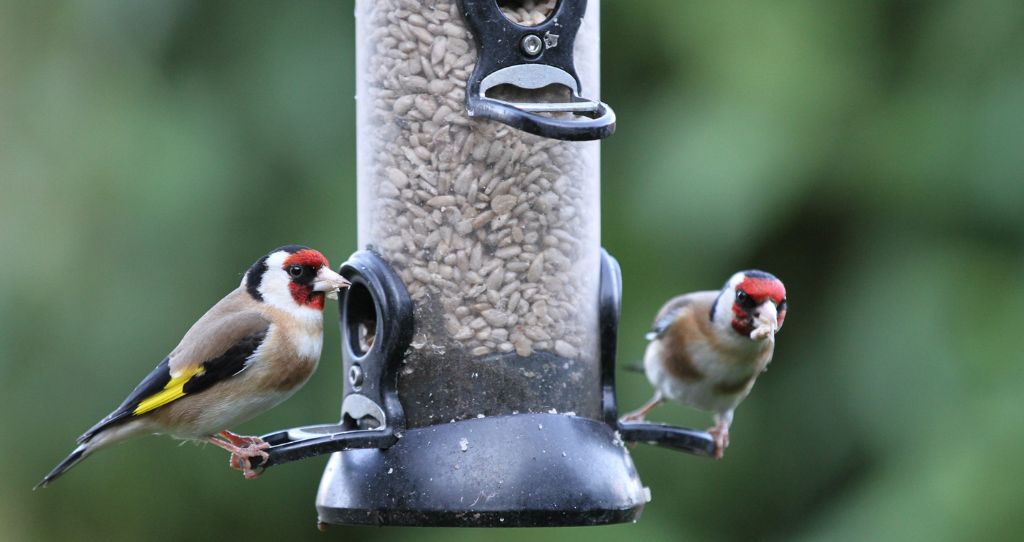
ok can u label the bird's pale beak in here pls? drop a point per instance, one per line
(767, 319)
(330, 282)
(769, 313)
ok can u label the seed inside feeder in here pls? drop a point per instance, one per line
(493, 231)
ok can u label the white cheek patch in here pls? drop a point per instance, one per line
(276, 291)
(723, 310)
(274, 286)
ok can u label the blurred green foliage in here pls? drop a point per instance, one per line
(870, 153)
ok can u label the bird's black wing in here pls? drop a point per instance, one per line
(226, 365)
(159, 388)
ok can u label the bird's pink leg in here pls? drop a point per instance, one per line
(639, 414)
(239, 440)
(242, 450)
(721, 432)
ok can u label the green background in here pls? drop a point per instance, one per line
(869, 152)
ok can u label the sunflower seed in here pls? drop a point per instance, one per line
(490, 223)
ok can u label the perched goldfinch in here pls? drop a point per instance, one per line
(707, 348)
(252, 350)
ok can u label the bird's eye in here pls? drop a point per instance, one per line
(295, 271)
(782, 305)
(744, 300)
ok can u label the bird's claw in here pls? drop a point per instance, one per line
(247, 471)
(721, 437)
(243, 449)
(241, 460)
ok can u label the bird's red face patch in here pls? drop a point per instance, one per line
(301, 285)
(309, 257)
(754, 291)
(304, 295)
(763, 289)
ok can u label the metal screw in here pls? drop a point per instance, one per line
(532, 45)
(355, 376)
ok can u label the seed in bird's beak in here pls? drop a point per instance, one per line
(767, 321)
(330, 282)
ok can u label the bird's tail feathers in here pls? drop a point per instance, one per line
(70, 461)
(96, 439)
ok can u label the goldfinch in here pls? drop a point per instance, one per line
(707, 348)
(250, 351)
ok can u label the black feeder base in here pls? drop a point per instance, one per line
(525, 470)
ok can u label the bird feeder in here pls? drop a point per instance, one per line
(479, 332)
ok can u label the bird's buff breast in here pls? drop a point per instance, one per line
(713, 386)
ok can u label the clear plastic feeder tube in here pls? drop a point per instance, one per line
(494, 232)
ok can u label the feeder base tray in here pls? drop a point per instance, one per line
(524, 470)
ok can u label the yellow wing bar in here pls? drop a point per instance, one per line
(175, 389)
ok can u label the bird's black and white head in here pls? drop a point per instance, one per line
(749, 299)
(294, 278)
